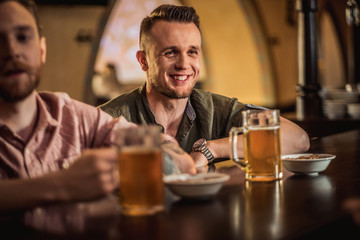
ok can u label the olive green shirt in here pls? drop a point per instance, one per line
(207, 115)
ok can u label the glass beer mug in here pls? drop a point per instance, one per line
(261, 136)
(140, 171)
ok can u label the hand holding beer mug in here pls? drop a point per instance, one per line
(261, 134)
(140, 171)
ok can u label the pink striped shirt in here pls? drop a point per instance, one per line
(64, 128)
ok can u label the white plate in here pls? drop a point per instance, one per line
(203, 185)
(302, 164)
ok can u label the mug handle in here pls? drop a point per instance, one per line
(234, 132)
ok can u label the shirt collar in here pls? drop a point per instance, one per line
(189, 110)
(45, 119)
(146, 104)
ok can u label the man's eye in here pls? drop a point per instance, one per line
(23, 37)
(193, 52)
(170, 53)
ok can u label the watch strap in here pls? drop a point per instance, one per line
(205, 151)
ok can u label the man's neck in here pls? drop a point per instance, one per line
(168, 112)
(19, 116)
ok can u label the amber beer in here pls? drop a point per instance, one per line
(261, 145)
(262, 153)
(141, 185)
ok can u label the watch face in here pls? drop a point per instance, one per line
(198, 143)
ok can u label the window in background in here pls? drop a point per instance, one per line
(331, 65)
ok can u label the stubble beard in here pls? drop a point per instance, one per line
(169, 92)
(21, 89)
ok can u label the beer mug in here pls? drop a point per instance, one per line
(141, 187)
(261, 148)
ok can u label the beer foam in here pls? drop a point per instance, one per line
(138, 149)
(257, 128)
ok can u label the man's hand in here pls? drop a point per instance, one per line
(182, 160)
(93, 175)
(199, 159)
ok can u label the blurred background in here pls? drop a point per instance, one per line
(249, 48)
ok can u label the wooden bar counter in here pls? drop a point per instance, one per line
(296, 207)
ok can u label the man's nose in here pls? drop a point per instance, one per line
(182, 61)
(10, 49)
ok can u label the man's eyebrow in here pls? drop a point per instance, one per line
(174, 47)
(24, 28)
(168, 48)
(195, 47)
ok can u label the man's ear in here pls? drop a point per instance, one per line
(43, 49)
(141, 57)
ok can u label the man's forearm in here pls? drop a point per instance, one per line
(21, 194)
(220, 148)
(293, 138)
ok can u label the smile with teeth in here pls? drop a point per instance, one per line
(180, 78)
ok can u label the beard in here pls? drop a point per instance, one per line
(18, 89)
(170, 93)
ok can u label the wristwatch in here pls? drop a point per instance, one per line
(200, 146)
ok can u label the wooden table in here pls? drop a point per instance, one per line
(296, 207)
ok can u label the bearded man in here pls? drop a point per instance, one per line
(52, 148)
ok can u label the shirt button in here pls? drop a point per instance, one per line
(65, 165)
(27, 151)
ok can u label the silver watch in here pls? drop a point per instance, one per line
(201, 146)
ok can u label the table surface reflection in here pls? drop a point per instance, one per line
(296, 207)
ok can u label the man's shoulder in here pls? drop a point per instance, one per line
(59, 101)
(204, 101)
(203, 96)
(122, 103)
(57, 98)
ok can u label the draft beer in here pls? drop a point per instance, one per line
(141, 190)
(261, 137)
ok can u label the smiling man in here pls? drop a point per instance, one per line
(170, 50)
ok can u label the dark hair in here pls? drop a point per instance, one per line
(169, 13)
(32, 8)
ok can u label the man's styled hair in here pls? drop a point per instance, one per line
(32, 8)
(169, 13)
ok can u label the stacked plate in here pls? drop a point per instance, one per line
(334, 109)
(353, 110)
(335, 103)
(340, 95)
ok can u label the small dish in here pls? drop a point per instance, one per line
(307, 163)
(203, 185)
